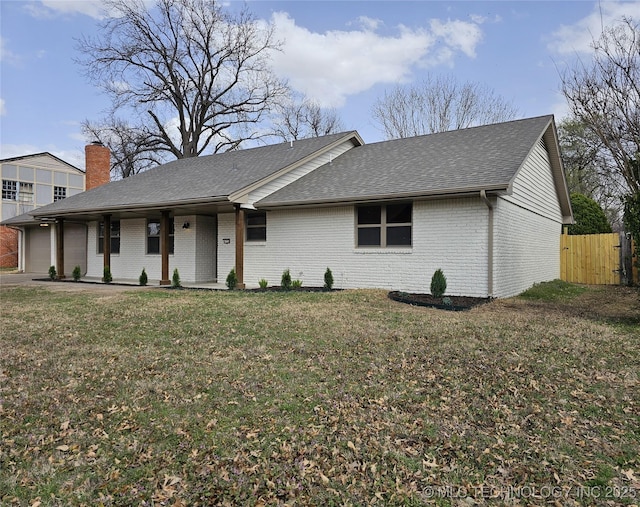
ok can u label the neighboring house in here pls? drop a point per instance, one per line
(485, 204)
(33, 181)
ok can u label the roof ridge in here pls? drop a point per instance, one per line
(465, 129)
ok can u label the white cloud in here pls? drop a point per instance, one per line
(577, 38)
(3, 108)
(17, 150)
(6, 55)
(457, 34)
(479, 19)
(330, 66)
(52, 8)
(369, 23)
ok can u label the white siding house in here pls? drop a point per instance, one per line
(486, 205)
(30, 182)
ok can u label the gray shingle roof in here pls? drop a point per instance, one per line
(485, 157)
(194, 179)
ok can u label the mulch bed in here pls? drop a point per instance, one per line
(451, 303)
(277, 288)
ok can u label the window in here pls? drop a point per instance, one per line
(256, 226)
(153, 236)
(26, 192)
(384, 225)
(9, 189)
(115, 237)
(59, 193)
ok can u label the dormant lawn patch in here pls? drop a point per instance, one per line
(157, 397)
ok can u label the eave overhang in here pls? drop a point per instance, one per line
(474, 191)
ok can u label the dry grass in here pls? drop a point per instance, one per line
(161, 397)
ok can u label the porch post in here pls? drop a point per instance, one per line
(106, 241)
(164, 247)
(60, 247)
(240, 246)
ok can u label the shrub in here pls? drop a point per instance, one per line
(106, 275)
(285, 281)
(76, 274)
(588, 215)
(328, 279)
(263, 283)
(143, 279)
(296, 284)
(52, 272)
(438, 284)
(232, 279)
(175, 279)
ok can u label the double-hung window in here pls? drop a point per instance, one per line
(385, 225)
(256, 226)
(25, 193)
(115, 237)
(153, 236)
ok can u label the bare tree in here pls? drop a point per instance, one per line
(196, 76)
(604, 94)
(302, 118)
(588, 170)
(133, 149)
(438, 104)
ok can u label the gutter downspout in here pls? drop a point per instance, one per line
(485, 199)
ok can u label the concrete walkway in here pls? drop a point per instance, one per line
(11, 279)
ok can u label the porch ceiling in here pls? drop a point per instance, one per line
(209, 209)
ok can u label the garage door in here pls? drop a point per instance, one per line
(38, 249)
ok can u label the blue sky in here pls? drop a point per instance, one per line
(343, 54)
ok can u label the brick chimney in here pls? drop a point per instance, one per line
(97, 165)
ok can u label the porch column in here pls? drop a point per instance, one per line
(106, 241)
(240, 246)
(60, 247)
(164, 247)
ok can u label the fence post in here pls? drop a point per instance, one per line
(626, 260)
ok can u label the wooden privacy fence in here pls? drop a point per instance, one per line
(598, 259)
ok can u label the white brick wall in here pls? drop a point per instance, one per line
(528, 224)
(526, 249)
(132, 258)
(307, 241)
(227, 251)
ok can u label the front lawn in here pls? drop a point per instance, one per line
(160, 397)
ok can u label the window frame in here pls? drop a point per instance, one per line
(7, 192)
(255, 227)
(26, 196)
(115, 238)
(59, 193)
(383, 225)
(154, 236)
